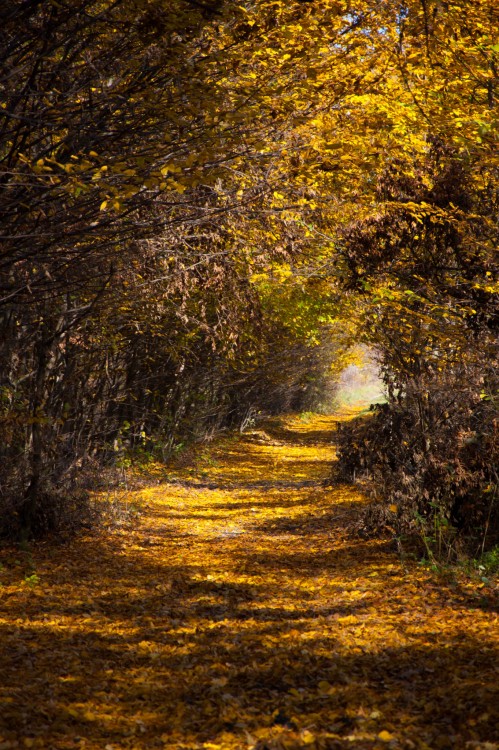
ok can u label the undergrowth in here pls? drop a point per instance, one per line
(434, 482)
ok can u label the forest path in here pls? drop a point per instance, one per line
(239, 614)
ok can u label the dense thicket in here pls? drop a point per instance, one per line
(430, 455)
(75, 132)
(426, 263)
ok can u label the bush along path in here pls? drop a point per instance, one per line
(239, 613)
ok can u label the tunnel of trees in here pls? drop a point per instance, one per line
(205, 204)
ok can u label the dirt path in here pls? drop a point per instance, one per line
(238, 614)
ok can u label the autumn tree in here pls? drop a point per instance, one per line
(425, 263)
(103, 106)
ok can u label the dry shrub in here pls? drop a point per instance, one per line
(434, 478)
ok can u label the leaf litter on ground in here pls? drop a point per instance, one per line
(240, 614)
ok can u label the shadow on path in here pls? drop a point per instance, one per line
(240, 616)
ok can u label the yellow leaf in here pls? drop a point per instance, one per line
(348, 620)
(393, 508)
(307, 737)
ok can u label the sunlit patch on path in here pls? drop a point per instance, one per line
(240, 614)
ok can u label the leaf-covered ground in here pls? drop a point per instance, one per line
(239, 614)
